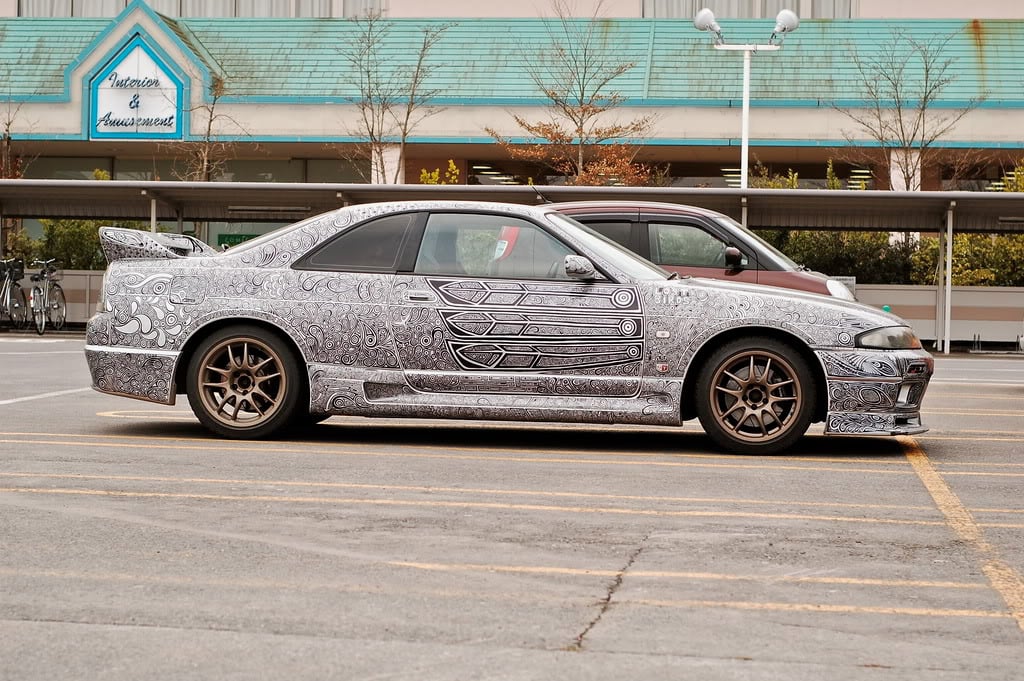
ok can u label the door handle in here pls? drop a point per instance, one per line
(420, 296)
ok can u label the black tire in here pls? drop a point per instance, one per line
(58, 308)
(17, 308)
(38, 311)
(756, 396)
(305, 420)
(244, 382)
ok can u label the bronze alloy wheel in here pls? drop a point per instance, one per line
(757, 396)
(242, 382)
(245, 381)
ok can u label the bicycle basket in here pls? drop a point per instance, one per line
(15, 268)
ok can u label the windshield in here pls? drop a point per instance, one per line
(606, 249)
(729, 223)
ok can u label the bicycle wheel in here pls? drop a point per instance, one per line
(57, 310)
(38, 309)
(17, 307)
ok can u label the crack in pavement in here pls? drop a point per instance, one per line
(606, 602)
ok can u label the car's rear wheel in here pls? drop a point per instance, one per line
(244, 382)
(755, 396)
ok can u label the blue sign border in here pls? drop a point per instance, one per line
(114, 61)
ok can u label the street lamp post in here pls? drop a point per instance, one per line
(786, 22)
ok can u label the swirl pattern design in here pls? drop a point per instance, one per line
(616, 349)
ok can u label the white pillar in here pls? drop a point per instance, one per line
(940, 294)
(899, 159)
(949, 274)
(745, 134)
(392, 160)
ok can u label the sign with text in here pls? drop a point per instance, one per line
(136, 97)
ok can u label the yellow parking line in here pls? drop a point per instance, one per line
(433, 489)
(680, 575)
(1003, 578)
(814, 607)
(549, 456)
(476, 504)
(977, 438)
(220, 447)
(987, 396)
(489, 593)
(486, 491)
(972, 412)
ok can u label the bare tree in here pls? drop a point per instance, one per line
(13, 162)
(577, 75)
(12, 165)
(903, 81)
(203, 159)
(392, 94)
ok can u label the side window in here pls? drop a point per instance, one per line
(687, 245)
(489, 246)
(370, 247)
(619, 232)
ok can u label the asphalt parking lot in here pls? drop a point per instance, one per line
(135, 546)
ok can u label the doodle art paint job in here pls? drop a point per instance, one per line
(484, 311)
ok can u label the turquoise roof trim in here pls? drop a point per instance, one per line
(486, 61)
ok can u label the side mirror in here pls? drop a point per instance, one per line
(578, 267)
(733, 258)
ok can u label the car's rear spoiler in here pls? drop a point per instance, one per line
(119, 242)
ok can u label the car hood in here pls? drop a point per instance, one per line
(865, 313)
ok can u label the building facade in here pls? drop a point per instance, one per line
(144, 89)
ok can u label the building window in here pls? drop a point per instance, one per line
(207, 8)
(748, 9)
(67, 168)
(329, 170)
(831, 9)
(143, 169)
(361, 8)
(201, 8)
(70, 8)
(262, 171)
(313, 8)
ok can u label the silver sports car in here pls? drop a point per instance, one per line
(450, 309)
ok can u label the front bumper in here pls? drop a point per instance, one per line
(876, 392)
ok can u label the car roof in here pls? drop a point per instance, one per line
(610, 206)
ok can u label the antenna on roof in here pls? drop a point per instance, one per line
(540, 196)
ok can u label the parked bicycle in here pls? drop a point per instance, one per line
(47, 298)
(12, 296)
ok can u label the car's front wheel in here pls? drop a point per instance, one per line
(244, 382)
(755, 396)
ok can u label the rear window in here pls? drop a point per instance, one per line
(370, 247)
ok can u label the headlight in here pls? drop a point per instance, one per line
(838, 289)
(889, 338)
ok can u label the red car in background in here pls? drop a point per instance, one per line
(698, 242)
